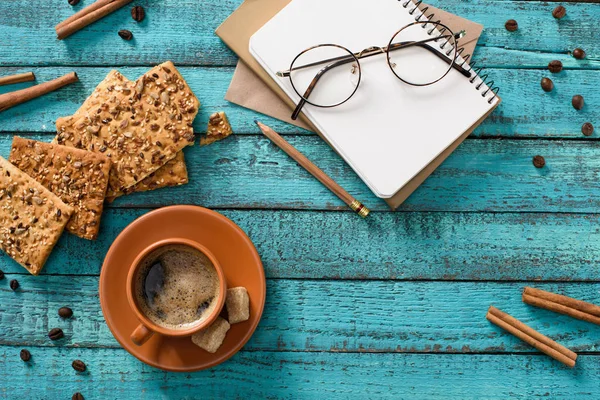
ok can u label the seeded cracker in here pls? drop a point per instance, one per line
(31, 218)
(218, 129)
(173, 173)
(78, 177)
(140, 126)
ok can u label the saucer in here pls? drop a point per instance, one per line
(230, 245)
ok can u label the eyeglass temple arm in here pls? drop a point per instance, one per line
(314, 82)
(393, 47)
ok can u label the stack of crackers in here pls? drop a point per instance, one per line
(126, 137)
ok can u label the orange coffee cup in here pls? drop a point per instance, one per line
(146, 329)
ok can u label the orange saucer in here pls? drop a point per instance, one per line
(234, 251)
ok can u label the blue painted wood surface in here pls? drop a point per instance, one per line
(401, 314)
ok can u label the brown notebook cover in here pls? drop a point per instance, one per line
(236, 31)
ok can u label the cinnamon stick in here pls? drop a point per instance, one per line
(564, 300)
(531, 336)
(84, 11)
(11, 99)
(18, 78)
(87, 16)
(564, 305)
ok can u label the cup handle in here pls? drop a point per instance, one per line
(141, 334)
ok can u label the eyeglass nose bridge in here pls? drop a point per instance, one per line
(371, 50)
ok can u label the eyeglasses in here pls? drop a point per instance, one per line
(419, 54)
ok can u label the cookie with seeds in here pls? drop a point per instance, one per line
(139, 128)
(32, 218)
(78, 177)
(173, 173)
(218, 129)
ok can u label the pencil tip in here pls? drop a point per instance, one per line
(256, 122)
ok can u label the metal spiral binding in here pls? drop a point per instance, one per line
(465, 60)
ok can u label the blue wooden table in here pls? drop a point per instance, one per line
(402, 315)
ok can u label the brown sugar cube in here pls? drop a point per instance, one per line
(238, 305)
(218, 129)
(212, 337)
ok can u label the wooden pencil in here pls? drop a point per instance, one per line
(315, 171)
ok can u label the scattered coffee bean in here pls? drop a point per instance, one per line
(555, 66)
(77, 396)
(25, 355)
(587, 129)
(577, 101)
(138, 13)
(14, 284)
(579, 53)
(55, 334)
(125, 34)
(73, 2)
(539, 161)
(511, 25)
(547, 84)
(79, 366)
(559, 12)
(65, 312)
(1, 274)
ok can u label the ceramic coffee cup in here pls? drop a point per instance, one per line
(146, 329)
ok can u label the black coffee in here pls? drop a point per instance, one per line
(176, 286)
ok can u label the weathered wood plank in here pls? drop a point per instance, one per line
(115, 374)
(191, 26)
(526, 111)
(339, 316)
(481, 175)
(402, 246)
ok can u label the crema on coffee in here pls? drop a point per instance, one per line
(176, 286)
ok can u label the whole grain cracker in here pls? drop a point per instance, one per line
(78, 177)
(31, 218)
(140, 126)
(173, 173)
(218, 129)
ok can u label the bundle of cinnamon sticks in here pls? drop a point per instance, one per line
(553, 302)
(11, 99)
(87, 16)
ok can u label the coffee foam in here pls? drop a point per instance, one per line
(189, 290)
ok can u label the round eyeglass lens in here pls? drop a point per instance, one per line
(326, 75)
(422, 53)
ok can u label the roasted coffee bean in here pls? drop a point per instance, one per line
(539, 161)
(1, 274)
(25, 355)
(559, 12)
(577, 102)
(138, 13)
(579, 53)
(587, 129)
(77, 396)
(73, 2)
(511, 25)
(55, 334)
(14, 284)
(555, 66)
(78, 366)
(125, 34)
(547, 84)
(65, 312)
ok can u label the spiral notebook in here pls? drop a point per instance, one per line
(385, 132)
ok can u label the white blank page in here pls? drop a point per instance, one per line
(389, 130)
